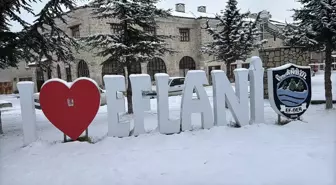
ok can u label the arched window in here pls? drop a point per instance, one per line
(59, 75)
(113, 68)
(156, 65)
(186, 64)
(83, 69)
(135, 68)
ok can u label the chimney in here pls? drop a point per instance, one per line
(180, 7)
(201, 9)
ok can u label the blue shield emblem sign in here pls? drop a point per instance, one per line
(289, 89)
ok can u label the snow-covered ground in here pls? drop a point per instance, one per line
(318, 86)
(294, 154)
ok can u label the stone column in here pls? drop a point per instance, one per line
(239, 64)
(144, 67)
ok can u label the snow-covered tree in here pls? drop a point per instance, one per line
(297, 36)
(136, 39)
(234, 36)
(42, 38)
(318, 18)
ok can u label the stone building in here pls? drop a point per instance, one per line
(186, 26)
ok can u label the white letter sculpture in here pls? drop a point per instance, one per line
(26, 91)
(140, 83)
(237, 102)
(114, 85)
(195, 80)
(256, 73)
(166, 126)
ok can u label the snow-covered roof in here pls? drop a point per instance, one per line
(277, 22)
(206, 15)
(183, 14)
(197, 15)
(194, 15)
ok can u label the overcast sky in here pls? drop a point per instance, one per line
(278, 8)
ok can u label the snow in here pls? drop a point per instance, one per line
(249, 19)
(287, 66)
(143, 75)
(4, 102)
(278, 21)
(204, 15)
(318, 85)
(241, 69)
(297, 153)
(183, 14)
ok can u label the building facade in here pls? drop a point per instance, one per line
(189, 37)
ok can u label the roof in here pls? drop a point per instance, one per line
(197, 15)
(193, 15)
(277, 22)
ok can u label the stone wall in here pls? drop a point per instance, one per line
(16, 74)
(274, 57)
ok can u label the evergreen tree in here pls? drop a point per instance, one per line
(318, 18)
(40, 39)
(297, 36)
(234, 36)
(136, 41)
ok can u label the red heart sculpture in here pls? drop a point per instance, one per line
(72, 109)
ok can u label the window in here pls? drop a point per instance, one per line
(68, 73)
(49, 71)
(184, 34)
(154, 66)
(179, 81)
(75, 31)
(113, 68)
(116, 28)
(186, 64)
(151, 30)
(59, 75)
(246, 65)
(39, 78)
(135, 68)
(83, 69)
(26, 79)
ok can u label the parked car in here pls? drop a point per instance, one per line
(176, 86)
(102, 97)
